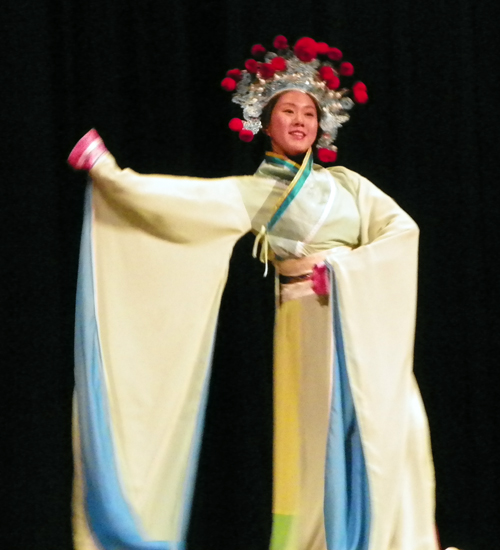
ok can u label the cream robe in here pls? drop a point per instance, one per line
(161, 247)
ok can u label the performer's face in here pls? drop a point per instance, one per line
(294, 124)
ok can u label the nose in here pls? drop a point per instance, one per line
(298, 119)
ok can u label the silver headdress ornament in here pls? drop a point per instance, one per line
(311, 67)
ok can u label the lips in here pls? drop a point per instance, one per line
(298, 134)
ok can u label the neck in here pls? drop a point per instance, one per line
(298, 159)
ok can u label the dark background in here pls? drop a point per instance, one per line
(146, 75)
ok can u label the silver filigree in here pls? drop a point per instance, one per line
(253, 124)
(252, 111)
(347, 103)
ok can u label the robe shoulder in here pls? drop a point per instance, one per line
(349, 179)
(381, 215)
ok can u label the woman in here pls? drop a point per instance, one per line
(352, 462)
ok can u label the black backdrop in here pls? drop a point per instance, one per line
(147, 74)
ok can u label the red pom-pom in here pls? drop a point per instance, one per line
(266, 70)
(235, 74)
(322, 48)
(359, 86)
(258, 50)
(327, 155)
(334, 54)
(333, 83)
(251, 66)
(246, 135)
(326, 73)
(360, 96)
(278, 64)
(306, 49)
(346, 69)
(280, 42)
(228, 84)
(236, 124)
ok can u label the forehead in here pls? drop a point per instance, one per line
(295, 97)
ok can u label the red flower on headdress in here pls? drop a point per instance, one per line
(246, 135)
(258, 50)
(359, 92)
(333, 83)
(326, 73)
(322, 48)
(280, 42)
(266, 70)
(278, 64)
(346, 69)
(327, 155)
(251, 66)
(360, 95)
(359, 86)
(236, 124)
(235, 74)
(306, 49)
(334, 54)
(228, 84)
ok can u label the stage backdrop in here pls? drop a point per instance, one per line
(146, 75)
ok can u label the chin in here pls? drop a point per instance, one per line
(296, 152)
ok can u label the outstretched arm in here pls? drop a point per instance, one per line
(179, 209)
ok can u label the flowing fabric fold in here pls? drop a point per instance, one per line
(148, 300)
(109, 515)
(376, 289)
(347, 503)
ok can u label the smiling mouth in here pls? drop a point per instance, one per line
(298, 134)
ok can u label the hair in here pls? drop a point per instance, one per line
(267, 112)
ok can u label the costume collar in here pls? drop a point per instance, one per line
(298, 175)
(282, 161)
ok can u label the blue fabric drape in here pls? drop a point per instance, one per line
(108, 512)
(347, 504)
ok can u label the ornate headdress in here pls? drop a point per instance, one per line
(312, 67)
